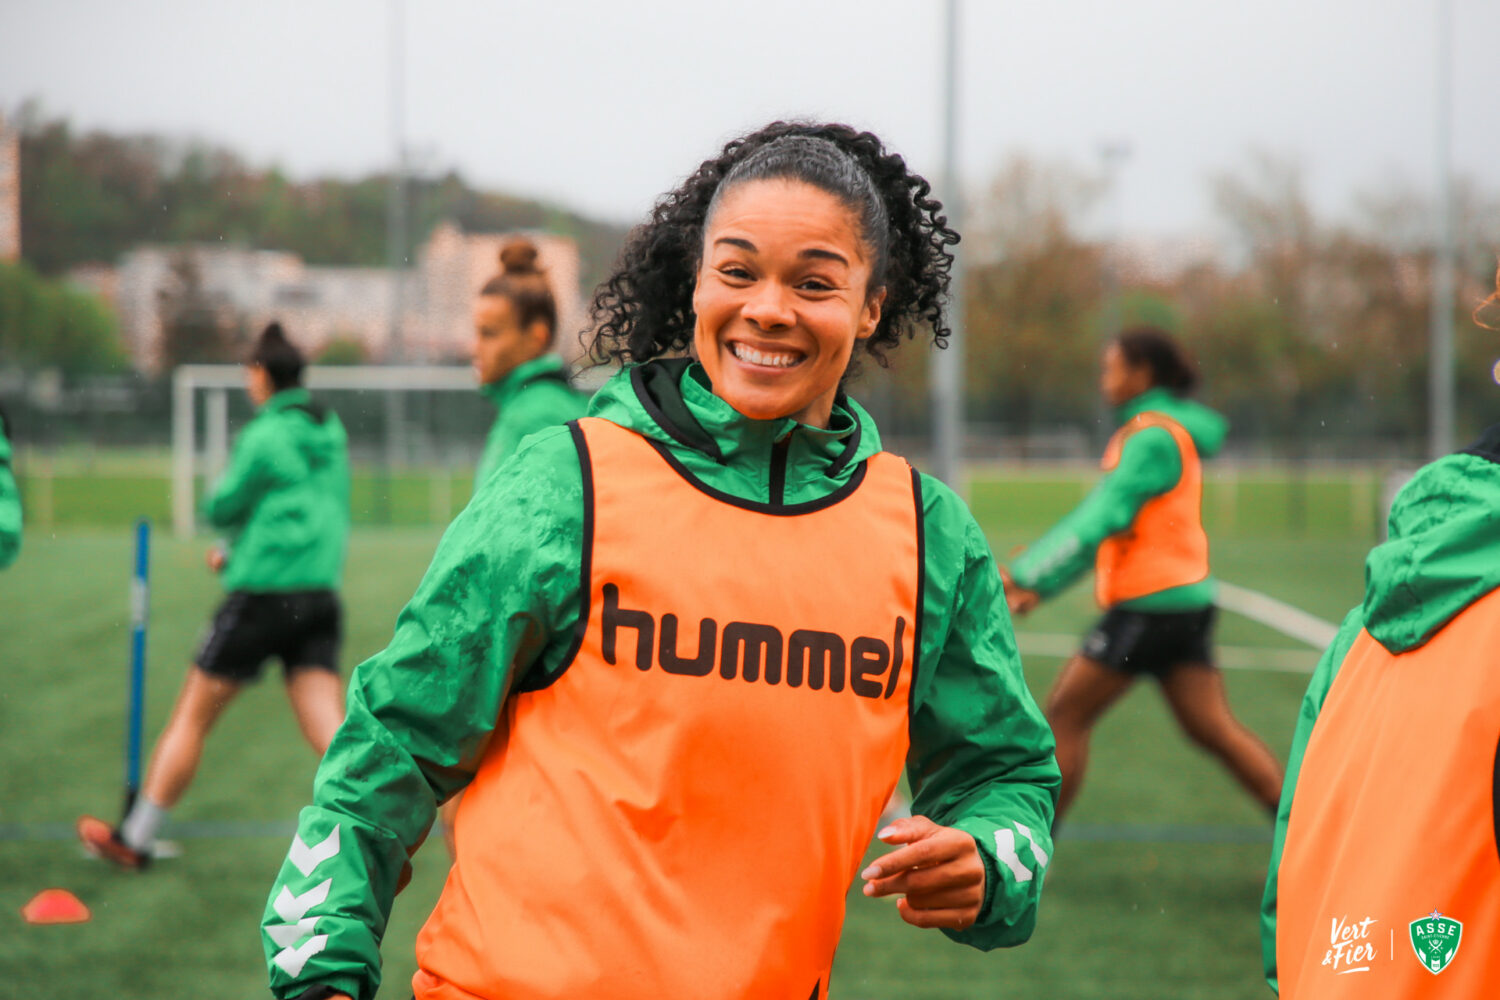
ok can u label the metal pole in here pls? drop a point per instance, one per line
(183, 446)
(1112, 154)
(396, 203)
(140, 604)
(216, 434)
(395, 402)
(1440, 320)
(947, 365)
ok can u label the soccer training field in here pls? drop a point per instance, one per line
(1152, 893)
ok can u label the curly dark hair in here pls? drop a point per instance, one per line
(645, 309)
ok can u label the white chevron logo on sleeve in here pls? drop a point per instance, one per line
(1036, 849)
(287, 935)
(307, 858)
(1005, 852)
(292, 908)
(291, 960)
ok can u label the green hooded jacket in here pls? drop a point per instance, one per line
(284, 500)
(533, 396)
(1149, 466)
(1442, 555)
(10, 505)
(501, 601)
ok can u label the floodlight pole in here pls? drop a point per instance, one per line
(1440, 319)
(947, 366)
(395, 403)
(396, 198)
(1112, 154)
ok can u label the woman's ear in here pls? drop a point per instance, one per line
(870, 318)
(539, 336)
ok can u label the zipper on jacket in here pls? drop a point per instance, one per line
(778, 469)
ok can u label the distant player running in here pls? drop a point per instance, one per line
(1142, 530)
(284, 503)
(10, 501)
(515, 328)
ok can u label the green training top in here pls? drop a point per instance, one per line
(284, 500)
(535, 395)
(1149, 466)
(501, 602)
(1442, 555)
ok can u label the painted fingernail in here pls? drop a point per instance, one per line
(889, 831)
(871, 872)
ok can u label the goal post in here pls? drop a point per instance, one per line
(215, 383)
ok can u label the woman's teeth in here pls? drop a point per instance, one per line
(754, 357)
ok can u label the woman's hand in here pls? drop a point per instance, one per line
(938, 869)
(1020, 600)
(216, 559)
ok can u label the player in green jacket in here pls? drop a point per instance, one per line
(10, 501)
(515, 327)
(1162, 628)
(283, 505)
(774, 261)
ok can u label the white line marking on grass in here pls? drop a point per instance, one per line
(1286, 661)
(1284, 618)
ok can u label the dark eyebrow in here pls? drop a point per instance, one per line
(814, 252)
(825, 255)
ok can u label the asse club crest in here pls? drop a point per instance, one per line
(1435, 940)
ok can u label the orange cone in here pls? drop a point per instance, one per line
(55, 906)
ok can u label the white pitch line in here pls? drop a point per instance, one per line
(1288, 620)
(1287, 661)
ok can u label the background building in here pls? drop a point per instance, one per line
(10, 192)
(321, 306)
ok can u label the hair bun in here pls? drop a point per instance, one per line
(518, 257)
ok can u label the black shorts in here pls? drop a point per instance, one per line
(1142, 642)
(302, 628)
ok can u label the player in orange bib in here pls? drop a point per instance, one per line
(1141, 530)
(1384, 880)
(678, 652)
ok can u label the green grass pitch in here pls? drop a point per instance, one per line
(1152, 894)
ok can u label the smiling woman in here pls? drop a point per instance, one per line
(692, 638)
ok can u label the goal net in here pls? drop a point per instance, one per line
(415, 433)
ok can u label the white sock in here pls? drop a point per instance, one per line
(138, 831)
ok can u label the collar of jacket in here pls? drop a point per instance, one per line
(285, 399)
(670, 401)
(1155, 398)
(679, 397)
(503, 391)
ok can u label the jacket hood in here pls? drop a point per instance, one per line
(1443, 552)
(671, 401)
(1206, 426)
(548, 366)
(311, 427)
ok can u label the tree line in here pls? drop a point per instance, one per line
(1306, 327)
(1311, 332)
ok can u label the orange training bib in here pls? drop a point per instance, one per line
(681, 812)
(1166, 545)
(1389, 884)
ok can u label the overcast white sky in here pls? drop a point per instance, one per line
(602, 106)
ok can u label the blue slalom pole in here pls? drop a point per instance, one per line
(140, 602)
